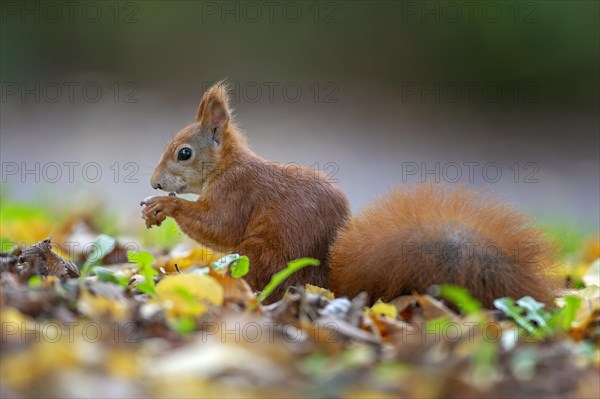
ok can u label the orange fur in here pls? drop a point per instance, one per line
(414, 238)
(402, 244)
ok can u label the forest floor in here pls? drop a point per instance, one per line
(94, 315)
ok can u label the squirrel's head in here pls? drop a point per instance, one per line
(191, 157)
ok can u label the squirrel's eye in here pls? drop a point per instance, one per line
(184, 154)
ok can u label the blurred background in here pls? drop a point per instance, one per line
(497, 95)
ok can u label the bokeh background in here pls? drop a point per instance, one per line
(498, 95)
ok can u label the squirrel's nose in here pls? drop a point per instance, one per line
(154, 180)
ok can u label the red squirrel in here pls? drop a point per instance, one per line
(402, 244)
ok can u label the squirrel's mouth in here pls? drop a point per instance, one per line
(181, 189)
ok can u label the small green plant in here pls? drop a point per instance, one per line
(460, 297)
(108, 276)
(527, 313)
(186, 324)
(565, 316)
(485, 356)
(144, 261)
(282, 275)
(103, 245)
(530, 315)
(240, 265)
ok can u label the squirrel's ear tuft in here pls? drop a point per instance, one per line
(213, 111)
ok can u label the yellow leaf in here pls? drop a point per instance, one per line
(98, 307)
(26, 231)
(384, 309)
(122, 363)
(313, 289)
(12, 315)
(196, 256)
(188, 295)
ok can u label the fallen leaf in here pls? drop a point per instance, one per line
(381, 308)
(188, 295)
(39, 259)
(313, 289)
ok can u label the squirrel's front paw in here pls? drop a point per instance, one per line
(158, 208)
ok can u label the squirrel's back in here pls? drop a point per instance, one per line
(414, 238)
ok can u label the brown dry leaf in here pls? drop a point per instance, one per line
(387, 328)
(235, 290)
(405, 305)
(39, 259)
(434, 309)
(344, 331)
(325, 336)
(78, 235)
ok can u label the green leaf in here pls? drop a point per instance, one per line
(144, 261)
(141, 258)
(535, 313)
(565, 316)
(240, 265)
(569, 311)
(108, 276)
(185, 295)
(460, 297)
(510, 309)
(103, 245)
(184, 325)
(530, 315)
(34, 281)
(282, 275)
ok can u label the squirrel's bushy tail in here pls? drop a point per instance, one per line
(414, 238)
